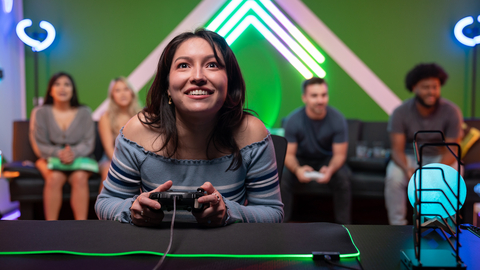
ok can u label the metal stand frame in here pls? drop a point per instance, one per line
(441, 258)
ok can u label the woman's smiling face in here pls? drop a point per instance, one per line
(197, 82)
(62, 90)
(121, 94)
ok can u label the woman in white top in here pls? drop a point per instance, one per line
(123, 105)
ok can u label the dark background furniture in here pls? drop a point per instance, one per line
(28, 188)
(280, 144)
(368, 178)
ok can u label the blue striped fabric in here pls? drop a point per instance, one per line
(251, 193)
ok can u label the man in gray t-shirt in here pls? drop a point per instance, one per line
(317, 138)
(426, 111)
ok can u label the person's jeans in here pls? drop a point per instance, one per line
(396, 184)
(339, 184)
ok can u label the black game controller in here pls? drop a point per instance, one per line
(185, 200)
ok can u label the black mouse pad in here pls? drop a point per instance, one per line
(114, 238)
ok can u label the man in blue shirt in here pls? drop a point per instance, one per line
(317, 138)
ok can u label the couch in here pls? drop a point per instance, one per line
(28, 187)
(368, 173)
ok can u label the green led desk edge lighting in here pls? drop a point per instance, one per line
(257, 256)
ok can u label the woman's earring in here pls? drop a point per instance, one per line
(169, 100)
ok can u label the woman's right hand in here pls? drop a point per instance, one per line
(147, 212)
(66, 155)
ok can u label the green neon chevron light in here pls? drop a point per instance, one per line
(214, 14)
(232, 21)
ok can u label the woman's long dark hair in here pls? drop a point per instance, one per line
(159, 114)
(48, 97)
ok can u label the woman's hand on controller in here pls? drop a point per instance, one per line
(147, 212)
(215, 213)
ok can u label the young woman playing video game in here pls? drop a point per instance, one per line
(64, 129)
(194, 132)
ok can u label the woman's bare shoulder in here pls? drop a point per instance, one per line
(104, 118)
(250, 131)
(135, 130)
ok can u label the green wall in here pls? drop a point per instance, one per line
(99, 40)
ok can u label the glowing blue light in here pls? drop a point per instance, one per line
(35, 44)
(7, 6)
(477, 189)
(432, 179)
(458, 32)
(12, 216)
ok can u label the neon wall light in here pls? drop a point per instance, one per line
(12, 216)
(36, 45)
(7, 6)
(471, 42)
(305, 53)
(458, 31)
(224, 14)
(293, 30)
(251, 20)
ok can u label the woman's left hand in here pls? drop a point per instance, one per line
(215, 213)
(66, 155)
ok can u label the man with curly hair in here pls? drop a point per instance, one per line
(427, 110)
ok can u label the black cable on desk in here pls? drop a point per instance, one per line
(171, 234)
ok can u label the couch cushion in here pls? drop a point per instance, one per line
(375, 132)
(368, 184)
(354, 127)
(25, 168)
(375, 165)
(30, 189)
(22, 149)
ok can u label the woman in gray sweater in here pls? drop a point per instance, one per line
(64, 129)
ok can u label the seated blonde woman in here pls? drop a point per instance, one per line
(123, 106)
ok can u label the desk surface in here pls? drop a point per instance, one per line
(379, 247)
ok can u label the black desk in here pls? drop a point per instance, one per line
(379, 246)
